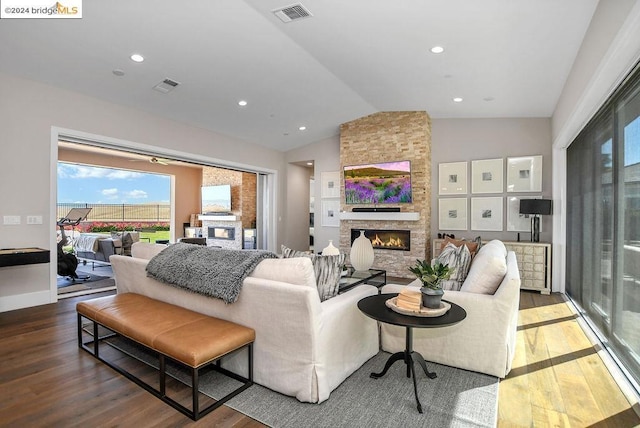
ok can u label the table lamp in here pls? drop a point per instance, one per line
(535, 208)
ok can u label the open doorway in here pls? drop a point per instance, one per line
(119, 207)
(267, 179)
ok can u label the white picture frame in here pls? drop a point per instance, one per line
(330, 213)
(524, 174)
(486, 214)
(487, 176)
(452, 178)
(330, 181)
(452, 214)
(517, 222)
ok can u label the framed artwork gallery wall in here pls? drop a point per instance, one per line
(482, 168)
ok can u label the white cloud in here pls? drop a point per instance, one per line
(136, 194)
(83, 172)
(110, 193)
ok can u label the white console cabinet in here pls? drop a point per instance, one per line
(534, 263)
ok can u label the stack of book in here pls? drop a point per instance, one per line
(409, 300)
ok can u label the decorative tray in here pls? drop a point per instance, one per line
(423, 312)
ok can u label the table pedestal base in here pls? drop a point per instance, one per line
(409, 356)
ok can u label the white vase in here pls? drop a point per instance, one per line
(361, 255)
(330, 250)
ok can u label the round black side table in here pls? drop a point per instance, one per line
(374, 307)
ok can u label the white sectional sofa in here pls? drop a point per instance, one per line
(485, 341)
(303, 348)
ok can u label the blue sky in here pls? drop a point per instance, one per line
(96, 185)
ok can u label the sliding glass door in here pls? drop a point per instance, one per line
(626, 326)
(603, 223)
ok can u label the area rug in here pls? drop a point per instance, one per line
(456, 398)
(67, 285)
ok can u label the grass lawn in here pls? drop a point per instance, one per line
(153, 236)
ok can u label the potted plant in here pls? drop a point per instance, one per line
(431, 278)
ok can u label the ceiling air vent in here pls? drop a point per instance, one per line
(292, 13)
(166, 86)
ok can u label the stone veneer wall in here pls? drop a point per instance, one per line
(212, 176)
(387, 137)
(243, 201)
(249, 199)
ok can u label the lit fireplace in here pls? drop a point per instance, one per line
(386, 239)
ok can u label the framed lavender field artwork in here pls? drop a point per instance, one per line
(452, 214)
(486, 214)
(524, 174)
(330, 184)
(378, 183)
(517, 222)
(487, 176)
(452, 178)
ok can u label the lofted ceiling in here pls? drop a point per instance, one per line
(351, 58)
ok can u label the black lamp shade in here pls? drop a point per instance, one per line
(535, 206)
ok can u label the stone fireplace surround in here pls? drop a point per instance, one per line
(388, 137)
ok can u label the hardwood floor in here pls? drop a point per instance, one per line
(45, 380)
(558, 379)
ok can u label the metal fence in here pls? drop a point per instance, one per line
(120, 212)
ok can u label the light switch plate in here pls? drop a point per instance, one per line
(34, 219)
(11, 219)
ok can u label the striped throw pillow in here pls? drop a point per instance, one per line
(326, 268)
(458, 259)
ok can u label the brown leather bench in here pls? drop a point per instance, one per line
(192, 339)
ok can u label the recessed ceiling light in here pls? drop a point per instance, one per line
(437, 49)
(137, 58)
(488, 98)
(457, 100)
(309, 163)
(302, 128)
(242, 103)
(118, 72)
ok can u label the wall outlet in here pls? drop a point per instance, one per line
(34, 219)
(11, 219)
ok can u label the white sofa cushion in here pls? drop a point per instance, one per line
(487, 270)
(298, 271)
(143, 250)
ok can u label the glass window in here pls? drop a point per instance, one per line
(603, 223)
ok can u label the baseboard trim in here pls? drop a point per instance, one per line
(27, 300)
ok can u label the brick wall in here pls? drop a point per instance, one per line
(243, 191)
(249, 190)
(387, 137)
(212, 176)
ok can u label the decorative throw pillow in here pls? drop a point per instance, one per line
(458, 259)
(473, 245)
(327, 270)
(488, 269)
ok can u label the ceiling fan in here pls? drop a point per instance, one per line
(154, 160)
(159, 160)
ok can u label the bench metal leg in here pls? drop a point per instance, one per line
(195, 388)
(163, 375)
(194, 413)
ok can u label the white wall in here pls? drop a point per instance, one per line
(609, 51)
(325, 155)
(455, 140)
(598, 67)
(28, 111)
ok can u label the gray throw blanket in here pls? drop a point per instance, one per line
(210, 271)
